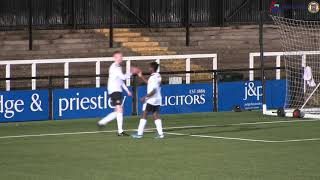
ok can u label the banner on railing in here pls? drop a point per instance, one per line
(24, 105)
(79, 103)
(85, 103)
(248, 94)
(183, 98)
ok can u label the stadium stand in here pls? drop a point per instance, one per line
(49, 44)
(232, 44)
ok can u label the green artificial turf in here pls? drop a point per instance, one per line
(223, 151)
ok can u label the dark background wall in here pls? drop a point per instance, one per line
(52, 14)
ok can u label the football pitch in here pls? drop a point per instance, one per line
(226, 146)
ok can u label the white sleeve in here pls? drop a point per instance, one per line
(124, 86)
(159, 80)
(123, 76)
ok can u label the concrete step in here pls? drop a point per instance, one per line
(79, 40)
(146, 49)
(22, 42)
(84, 36)
(131, 39)
(192, 29)
(170, 34)
(19, 33)
(17, 43)
(63, 31)
(51, 36)
(68, 36)
(233, 43)
(21, 47)
(4, 33)
(60, 53)
(140, 44)
(101, 44)
(127, 34)
(115, 30)
(212, 48)
(177, 38)
(178, 43)
(156, 30)
(166, 39)
(155, 53)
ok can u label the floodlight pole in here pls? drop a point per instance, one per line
(263, 78)
(187, 21)
(30, 25)
(111, 24)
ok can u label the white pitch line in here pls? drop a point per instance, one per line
(55, 134)
(151, 129)
(245, 139)
(241, 124)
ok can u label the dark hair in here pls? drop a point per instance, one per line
(154, 66)
(116, 52)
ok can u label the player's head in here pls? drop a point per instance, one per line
(117, 56)
(153, 67)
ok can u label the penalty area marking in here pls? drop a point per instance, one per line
(180, 134)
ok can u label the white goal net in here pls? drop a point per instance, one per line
(300, 41)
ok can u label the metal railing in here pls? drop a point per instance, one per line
(97, 61)
(278, 59)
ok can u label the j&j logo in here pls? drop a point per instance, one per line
(251, 90)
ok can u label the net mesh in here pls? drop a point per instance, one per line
(300, 42)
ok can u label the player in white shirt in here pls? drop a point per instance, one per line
(152, 102)
(115, 86)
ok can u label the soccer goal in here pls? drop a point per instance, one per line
(300, 42)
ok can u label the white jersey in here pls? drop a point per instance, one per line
(154, 84)
(116, 78)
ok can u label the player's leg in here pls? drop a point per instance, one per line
(142, 123)
(115, 100)
(119, 111)
(158, 122)
(110, 117)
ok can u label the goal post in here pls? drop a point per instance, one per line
(300, 41)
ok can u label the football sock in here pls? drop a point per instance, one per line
(141, 126)
(110, 117)
(120, 122)
(158, 123)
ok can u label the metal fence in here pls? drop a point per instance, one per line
(53, 14)
(97, 61)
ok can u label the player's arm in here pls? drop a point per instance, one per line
(124, 87)
(143, 99)
(122, 76)
(155, 86)
(142, 77)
